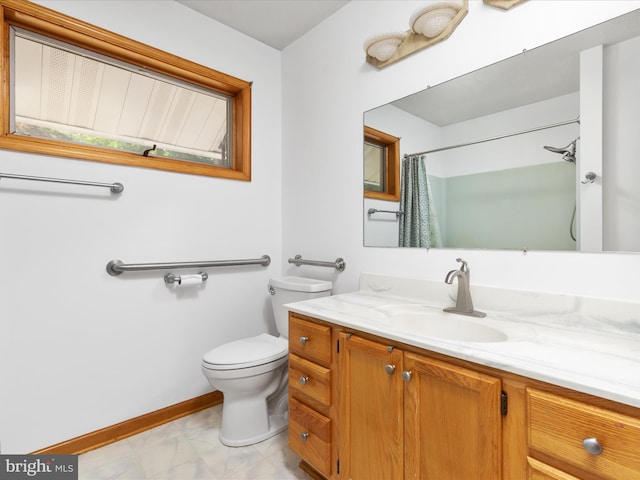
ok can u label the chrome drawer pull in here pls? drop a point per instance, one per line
(304, 436)
(304, 380)
(304, 340)
(406, 375)
(390, 369)
(592, 446)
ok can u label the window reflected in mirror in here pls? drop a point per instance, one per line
(381, 165)
(375, 158)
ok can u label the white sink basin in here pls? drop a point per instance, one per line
(429, 321)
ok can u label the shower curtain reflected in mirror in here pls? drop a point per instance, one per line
(419, 223)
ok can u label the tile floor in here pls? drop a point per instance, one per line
(189, 449)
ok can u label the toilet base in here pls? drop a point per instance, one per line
(249, 420)
(277, 424)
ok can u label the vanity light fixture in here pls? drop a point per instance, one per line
(430, 24)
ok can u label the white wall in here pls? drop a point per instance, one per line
(328, 83)
(81, 350)
(512, 152)
(621, 168)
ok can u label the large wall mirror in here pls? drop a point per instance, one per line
(537, 152)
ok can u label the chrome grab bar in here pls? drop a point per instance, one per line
(117, 267)
(114, 187)
(339, 264)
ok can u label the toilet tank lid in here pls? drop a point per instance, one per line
(250, 351)
(301, 284)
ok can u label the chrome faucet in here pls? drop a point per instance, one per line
(464, 304)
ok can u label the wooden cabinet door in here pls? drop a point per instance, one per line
(452, 422)
(370, 410)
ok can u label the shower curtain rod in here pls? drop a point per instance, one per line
(559, 124)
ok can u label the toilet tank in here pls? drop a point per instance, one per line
(293, 289)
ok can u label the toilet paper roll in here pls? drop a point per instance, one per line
(187, 280)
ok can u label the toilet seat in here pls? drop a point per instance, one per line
(246, 353)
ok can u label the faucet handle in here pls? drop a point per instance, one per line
(464, 267)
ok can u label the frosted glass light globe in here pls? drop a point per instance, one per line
(434, 18)
(382, 47)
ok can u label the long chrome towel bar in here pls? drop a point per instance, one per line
(116, 267)
(339, 264)
(114, 187)
(397, 213)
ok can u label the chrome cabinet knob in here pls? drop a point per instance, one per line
(304, 436)
(304, 380)
(390, 369)
(592, 445)
(406, 375)
(304, 340)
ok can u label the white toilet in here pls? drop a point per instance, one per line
(252, 372)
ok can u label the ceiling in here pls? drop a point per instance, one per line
(277, 23)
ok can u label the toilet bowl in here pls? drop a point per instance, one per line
(251, 375)
(252, 372)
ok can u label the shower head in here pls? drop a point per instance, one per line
(568, 152)
(556, 149)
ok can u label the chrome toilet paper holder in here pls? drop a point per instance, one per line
(171, 278)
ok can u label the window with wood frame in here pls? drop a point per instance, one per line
(74, 90)
(381, 165)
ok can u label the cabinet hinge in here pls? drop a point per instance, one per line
(504, 403)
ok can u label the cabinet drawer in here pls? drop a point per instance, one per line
(310, 436)
(310, 340)
(541, 471)
(557, 427)
(309, 378)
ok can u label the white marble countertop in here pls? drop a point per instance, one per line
(587, 344)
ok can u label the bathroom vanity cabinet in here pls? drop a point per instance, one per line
(366, 407)
(405, 415)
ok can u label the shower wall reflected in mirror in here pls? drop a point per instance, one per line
(509, 182)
